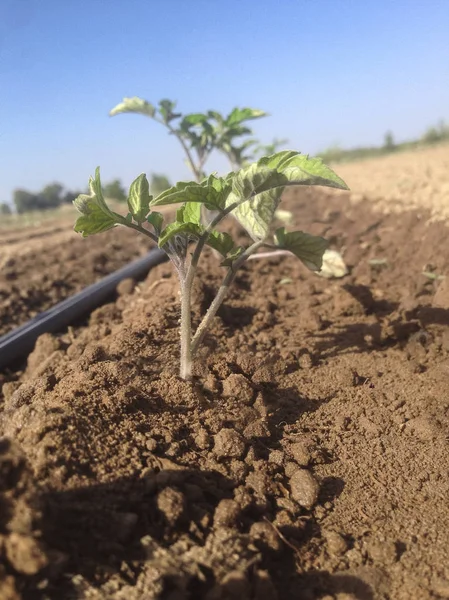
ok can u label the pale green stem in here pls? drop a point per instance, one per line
(186, 334)
(140, 229)
(221, 295)
(186, 300)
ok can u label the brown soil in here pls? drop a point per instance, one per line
(40, 266)
(416, 179)
(308, 460)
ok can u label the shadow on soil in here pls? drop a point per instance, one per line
(98, 529)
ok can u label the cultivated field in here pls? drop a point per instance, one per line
(307, 460)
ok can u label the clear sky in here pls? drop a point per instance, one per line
(327, 71)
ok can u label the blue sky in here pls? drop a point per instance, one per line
(327, 71)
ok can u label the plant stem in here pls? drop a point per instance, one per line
(140, 229)
(195, 170)
(221, 295)
(270, 254)
(186, 333)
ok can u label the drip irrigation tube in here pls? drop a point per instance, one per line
(20, 342)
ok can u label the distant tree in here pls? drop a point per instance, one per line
(115, 190)
(25, 201)
(51, 195)
(431, 136)
(389, 141)
(158, 184)
(5, 209)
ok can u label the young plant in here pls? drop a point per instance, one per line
(200, 133)
(251, 195)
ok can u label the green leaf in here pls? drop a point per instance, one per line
(308, 248)
(93, 220)
(139, 198)
(96, 216)
(190, 212)
(256, 214)
(232, 256)
(212, 192)
(275, 161)
(259, 187)
(254, 180)
(173, 194)
(194, 119)
(237, 115)
(213, 114)
(96, 192)
(166, 109)
(299, 169)
(187, 230)
(134, 105)
(156, 219)
(222, 242)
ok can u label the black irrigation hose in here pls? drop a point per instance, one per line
(20, 342)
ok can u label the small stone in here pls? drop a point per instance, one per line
(211, 383)
(24, 554)
(259, 482)
(171, 503)
(336, 544)
(305, 361)
(8, 590)
(290, 467)
(227, 513)
(151, 444)
(300, 453)
(304, 488)
(238, 387)
(126, 286)
(203, 439)
(382, 551)
(283, 519)
(257, 429)
(228, 443)
(276, 457)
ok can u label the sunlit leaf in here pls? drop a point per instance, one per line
(93, 220)
(190, 212)
(139, 198)
(308, 248)
(194, 119)
(299, 169)
(95, 214)
(212, 192)
(237, 115)
(156, 219)
(134, 105)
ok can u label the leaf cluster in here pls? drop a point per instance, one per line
(200, 133)
(251, 195)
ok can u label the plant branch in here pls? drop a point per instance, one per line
(195, 170)
(221, 295)
(140, 229)
(270, 254)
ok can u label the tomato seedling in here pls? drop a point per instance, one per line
(251, 195)
(200, 133)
